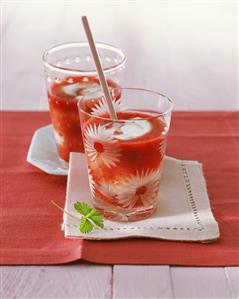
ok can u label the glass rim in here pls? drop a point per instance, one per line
(99, 45)
(130, 120)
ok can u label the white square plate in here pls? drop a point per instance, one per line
(43, 153)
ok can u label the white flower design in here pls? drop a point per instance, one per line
(162, 147)
(107, 190)
(142, 187)
(165, 130)
(100, 145)
(102, 107)
(91, 183)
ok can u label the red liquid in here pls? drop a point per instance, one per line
(65, 115)
(125, 173)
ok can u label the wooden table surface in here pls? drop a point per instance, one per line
(188, 51)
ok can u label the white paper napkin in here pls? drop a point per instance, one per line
(183, 212)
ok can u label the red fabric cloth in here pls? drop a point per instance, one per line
(30, 225)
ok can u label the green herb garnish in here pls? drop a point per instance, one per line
(90, 219)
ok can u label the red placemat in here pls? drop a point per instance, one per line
(30, 225)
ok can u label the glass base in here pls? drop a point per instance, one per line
(116, 214)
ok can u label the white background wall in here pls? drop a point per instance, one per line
(188, 50)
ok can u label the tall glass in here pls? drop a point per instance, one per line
(125, 156)
(70, 73)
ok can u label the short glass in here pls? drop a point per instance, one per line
(125, 156)
(70, 73)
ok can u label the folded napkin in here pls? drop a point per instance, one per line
(183, 212)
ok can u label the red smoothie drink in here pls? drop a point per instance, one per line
(71, 75)
(63, 98)
(124, 163)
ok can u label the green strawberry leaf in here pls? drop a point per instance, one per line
(85, 225)
(96, 218)
(82, 208)
(90, 217)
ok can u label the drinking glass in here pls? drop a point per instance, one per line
(70, 73)
(125, 155)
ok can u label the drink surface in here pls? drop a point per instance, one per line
(63, 99)
(125, 158)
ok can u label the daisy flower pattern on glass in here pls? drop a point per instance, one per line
(100, 145)
(91, 183)
(107, 189)
(102, 107)
(143, 186)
